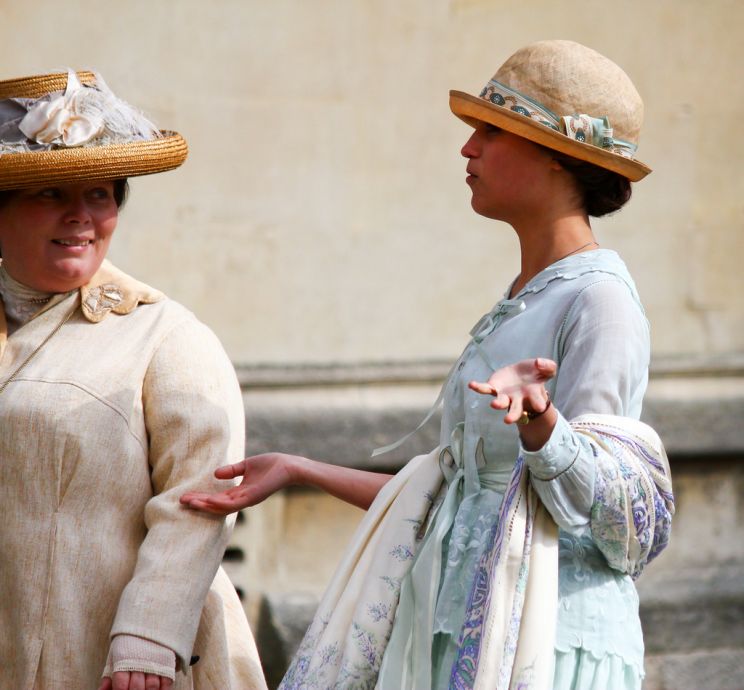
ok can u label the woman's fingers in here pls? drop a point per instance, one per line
(547, 368)
(500, 397)
(483, 388)
(517, 386)
(231, 471)
(515, 411)
(192, 496)
(153, 682)
(124, 680)
(263, 475)
(537, 400)
(225, 502)
(216, 504)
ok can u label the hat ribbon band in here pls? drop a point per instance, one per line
(580, 127)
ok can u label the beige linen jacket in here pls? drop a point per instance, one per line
(130, 404)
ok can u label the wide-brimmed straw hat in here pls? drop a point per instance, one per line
(70, 127)
(567, 97)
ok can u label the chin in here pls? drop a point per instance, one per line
(70, 276)
(486, 212)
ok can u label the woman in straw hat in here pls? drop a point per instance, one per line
(113, 401)
(506, 557)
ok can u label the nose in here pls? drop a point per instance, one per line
(471, 148)
(77, 211)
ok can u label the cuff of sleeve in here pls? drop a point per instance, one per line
(557, 455)
(132, 653)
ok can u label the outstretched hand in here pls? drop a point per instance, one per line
(518, 387)
(262, 475)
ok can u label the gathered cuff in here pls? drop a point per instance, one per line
(137, 654)
(557, 455)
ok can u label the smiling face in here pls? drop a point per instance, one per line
(54, 238)
(510, 177)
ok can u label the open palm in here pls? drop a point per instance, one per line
(263, 475)
(518, 387)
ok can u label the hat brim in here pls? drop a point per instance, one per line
(473, 110)
(113, 162)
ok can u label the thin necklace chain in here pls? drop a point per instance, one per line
(578, 249)
(565, 256)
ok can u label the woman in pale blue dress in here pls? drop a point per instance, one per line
(569, 338)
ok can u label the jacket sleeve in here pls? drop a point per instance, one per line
(195, 422)
(603, 353)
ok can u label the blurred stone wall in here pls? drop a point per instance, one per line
(323, 214)
(322, 228)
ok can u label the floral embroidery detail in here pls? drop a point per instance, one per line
(379, 611)
(103, 298)
(402, 553)
(391, 582)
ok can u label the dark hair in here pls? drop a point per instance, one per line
(602, 191)
(121, 192)
(5, 195)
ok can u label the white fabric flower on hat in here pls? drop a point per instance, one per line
(60, 121)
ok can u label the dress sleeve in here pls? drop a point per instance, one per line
(603, 352)
(195, 422)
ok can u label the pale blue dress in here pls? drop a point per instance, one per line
(584, 313)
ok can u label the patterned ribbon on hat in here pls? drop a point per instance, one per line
(580, 127)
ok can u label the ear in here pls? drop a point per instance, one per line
(555, 165)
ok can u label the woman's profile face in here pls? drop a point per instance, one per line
(54, 238)
(509, 176)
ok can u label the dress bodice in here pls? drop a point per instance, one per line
(538, 322)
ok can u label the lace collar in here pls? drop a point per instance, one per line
(600, 260)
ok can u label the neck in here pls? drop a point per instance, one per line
(543, 241)
(9, 284)
(19, 302)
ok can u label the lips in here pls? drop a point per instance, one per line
(73, 242)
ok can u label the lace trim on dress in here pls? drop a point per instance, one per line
(577, 668)
(575, 266)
